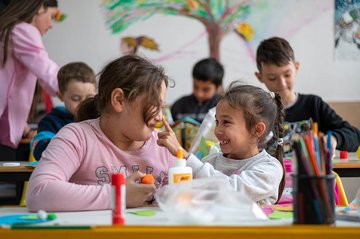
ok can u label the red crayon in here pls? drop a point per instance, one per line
(118, 200)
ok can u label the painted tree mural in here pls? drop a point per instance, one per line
(219, 17)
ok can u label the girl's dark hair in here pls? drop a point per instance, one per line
(275, 50)
(19, 11)
(136, 76)
(259, 105)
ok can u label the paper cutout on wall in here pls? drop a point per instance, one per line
(130, 45)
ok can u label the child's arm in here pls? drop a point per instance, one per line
(49, 187)
(347, 137)
(46, 131)
(53, 186)
(260, 181)
(30, 51)
(39, 143)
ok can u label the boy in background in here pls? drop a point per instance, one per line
(207, 75)
(277, 70)
(77, 82)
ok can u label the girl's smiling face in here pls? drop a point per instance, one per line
(236, 141)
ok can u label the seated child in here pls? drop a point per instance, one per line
(207, 76)
(77, 82)
(74, 173)
(244, 117)
(277, 70)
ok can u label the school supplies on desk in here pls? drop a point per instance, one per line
(25, 219)
(350, 212)
(313, 181)
(118, 198)
(145, 213)
(278, 211)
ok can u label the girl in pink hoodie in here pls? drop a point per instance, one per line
(116, 135)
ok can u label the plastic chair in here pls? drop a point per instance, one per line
(340, 195)
(22, 202)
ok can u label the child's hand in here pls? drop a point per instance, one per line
(136, 193)
(28, 133)
(168, 139)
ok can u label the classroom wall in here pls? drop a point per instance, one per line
(83, 36)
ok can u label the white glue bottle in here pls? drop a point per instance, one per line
(180, 172)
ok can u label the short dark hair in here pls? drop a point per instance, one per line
(78, 71)
(209, 69)
(275, 50)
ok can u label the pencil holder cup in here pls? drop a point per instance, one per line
(313, 199)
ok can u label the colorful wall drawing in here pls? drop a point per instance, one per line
(250, 20)
(218, 17)
(347, 30)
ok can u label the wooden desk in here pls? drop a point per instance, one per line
(160, 227)
(15, 173)
(350, 168)
(189, 232)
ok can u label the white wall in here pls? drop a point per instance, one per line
(83, 36)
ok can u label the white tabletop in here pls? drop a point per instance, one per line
(104, 218)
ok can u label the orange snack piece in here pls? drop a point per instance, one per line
(147, 179)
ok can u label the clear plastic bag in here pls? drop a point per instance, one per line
(207, 201)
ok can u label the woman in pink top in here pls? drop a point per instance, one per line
(23, 60)
(116, 135)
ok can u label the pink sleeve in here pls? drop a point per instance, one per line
(30, 51)
(49, 187)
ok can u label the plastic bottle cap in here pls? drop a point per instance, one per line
(179, 153)
(117, 179)
(344, 154)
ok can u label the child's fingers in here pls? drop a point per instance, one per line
(148, 189)
(163, 135)
(135, 176)
(167, 126)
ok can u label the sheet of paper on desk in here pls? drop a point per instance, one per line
(22, 219)
(352, 215)
(350, 212)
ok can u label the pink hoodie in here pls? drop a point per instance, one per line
(27, 61)
(75, 170)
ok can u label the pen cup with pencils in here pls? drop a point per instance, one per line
(313, 199)
(313, 181)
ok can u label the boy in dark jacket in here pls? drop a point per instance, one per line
(207, 75)
(277, 70)
(77, 82)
